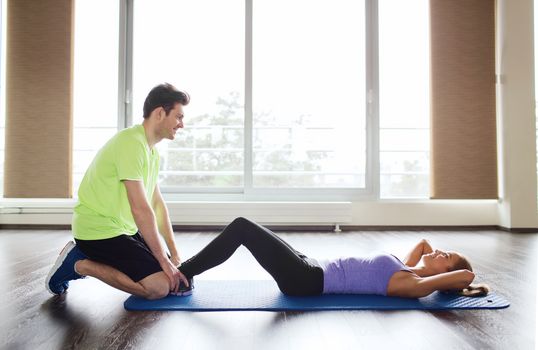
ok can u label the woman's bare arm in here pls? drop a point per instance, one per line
(413, 257)
(417, 287)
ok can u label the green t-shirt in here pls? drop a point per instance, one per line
(103, 210)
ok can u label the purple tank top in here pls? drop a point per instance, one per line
(368, 275)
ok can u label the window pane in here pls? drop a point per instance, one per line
(96, 63)
(198, 46)
(95, 100)
(201, 179)
(404, 108)
(404, 140)
(308, 93)
(404, 186)
(405, 162)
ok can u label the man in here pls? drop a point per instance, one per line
(120, 211)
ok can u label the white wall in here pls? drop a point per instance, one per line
(426, 213)
(515, 114)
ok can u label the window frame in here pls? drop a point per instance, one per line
(248, 192)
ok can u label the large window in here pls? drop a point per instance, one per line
(310, 99)
(307, 124)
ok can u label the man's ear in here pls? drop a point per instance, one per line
(161, 113)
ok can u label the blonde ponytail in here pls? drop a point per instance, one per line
(474, 290)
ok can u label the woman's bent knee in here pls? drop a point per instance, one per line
(238, 227)
(241, 221)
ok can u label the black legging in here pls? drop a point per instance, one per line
(294, 273)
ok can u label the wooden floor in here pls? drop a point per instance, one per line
(91, 315)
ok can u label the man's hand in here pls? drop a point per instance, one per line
(184, 280)
(174, 275)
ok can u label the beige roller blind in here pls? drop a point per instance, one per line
(463, 122)
(39, 75)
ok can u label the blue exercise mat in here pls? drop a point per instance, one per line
(264, 295)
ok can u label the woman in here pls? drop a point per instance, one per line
(299, 275)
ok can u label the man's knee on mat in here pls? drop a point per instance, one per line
(156, 292)
(155, 286)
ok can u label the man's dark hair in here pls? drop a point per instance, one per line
(165, 96)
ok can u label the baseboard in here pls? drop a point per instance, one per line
(182, 228)
(419, 228)
(281, 228)
(304, 228)
(519, 229)
(34, 227)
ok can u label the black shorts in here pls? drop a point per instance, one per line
(128, 254)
